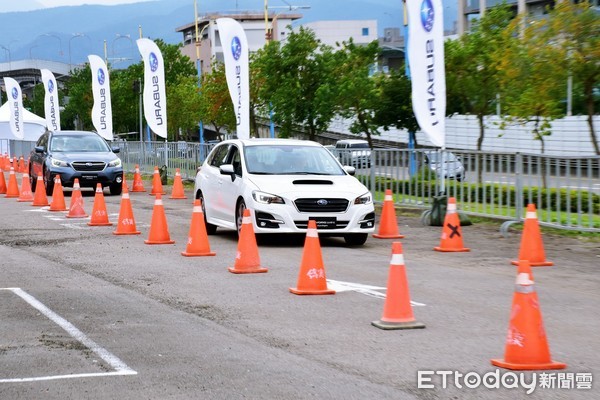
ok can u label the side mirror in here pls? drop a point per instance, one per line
(350, 170)
(116, 149)
(39, 149)
(227, 169)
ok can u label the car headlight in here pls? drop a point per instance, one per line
(364, 199)
(58, 163)
(266, 198)
(115, 163)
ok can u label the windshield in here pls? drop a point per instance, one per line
(77, 144)
(359, 146)
(290, 160)
(434, 157)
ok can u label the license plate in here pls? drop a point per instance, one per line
(88, 177)
(325, 222)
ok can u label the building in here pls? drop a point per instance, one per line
(255, 25)
(333, 33)
(468, 9)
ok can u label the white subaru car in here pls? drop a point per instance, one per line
(285, 183)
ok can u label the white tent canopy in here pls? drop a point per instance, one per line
(34, 126)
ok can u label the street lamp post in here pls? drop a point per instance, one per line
(120, 36)
(75, 35)
(60, 52)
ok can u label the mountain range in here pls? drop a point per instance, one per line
(68, 34)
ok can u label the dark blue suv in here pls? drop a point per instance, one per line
(75, 154)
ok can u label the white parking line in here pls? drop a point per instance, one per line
(109, 358)
(368, 290)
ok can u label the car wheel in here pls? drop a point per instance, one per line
(239, 215)
(49, 184)
(116, 189)
(210, 228)
(356, 239)
(32, 182)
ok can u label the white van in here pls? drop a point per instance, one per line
(354, 152)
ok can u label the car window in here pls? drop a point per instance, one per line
(359, 146)
(218, 156)
(73, 143)
(43, 141)
(235, 160)
(290, 160)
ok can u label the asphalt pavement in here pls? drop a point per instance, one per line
(86, 314)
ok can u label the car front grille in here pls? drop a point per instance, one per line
(94, 166)
(324, 205)
(337, 225)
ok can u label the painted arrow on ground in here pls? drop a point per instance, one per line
(368, 290)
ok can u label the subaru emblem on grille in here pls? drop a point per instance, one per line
(88, 164)
(322, 202)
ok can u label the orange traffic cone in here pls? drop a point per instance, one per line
(177, 191)
(15, 164)
(532, 247)
(3, 187)
(159, 231)
(526, 341)
(451, 233)
(247, 260)
(388, 225)
(26, 194)
(22, 165)
(397, 310)
(197, 244)
(13, 186)
(58, 197)
(311, 278)
(76, 207)
(40, 199)
(138, 184)
(126, 224)
(156, 183)
(99, 213)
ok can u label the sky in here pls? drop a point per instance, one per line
(28, 5)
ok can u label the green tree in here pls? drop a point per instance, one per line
(471, 76)
(394, 107)
(78, 110)
(356, 90)
(215, 105)
(575, 29)
(298, 82)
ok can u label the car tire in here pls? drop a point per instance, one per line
(116, 189)
(210, 228)
(356, 239)
(49, 184)
(239, 215)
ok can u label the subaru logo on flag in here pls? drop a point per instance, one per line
(427, 15)
(15, 93)
(153, 62)
(101, 76)
(50, 86)
(236, 48)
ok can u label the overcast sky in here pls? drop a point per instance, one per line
(28, 5)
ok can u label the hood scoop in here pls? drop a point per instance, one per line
(312, 182)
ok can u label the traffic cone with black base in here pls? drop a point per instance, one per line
(13, 187)
(526, 342)
(76, 207)
(99, 213)
(157, 187)
(3, 187)
(388, 225)
(40, 199)
(451, 240)
(159, 230)
(397, 310)
(26, 194)
(58, 196)
(247, 259)
(126, 223)
(311, 278)
(177, 191)
(532, 247)
(197, 243)
(138, 183)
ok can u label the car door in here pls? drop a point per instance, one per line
(230, 187)
(211, 180)
(37, 159)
